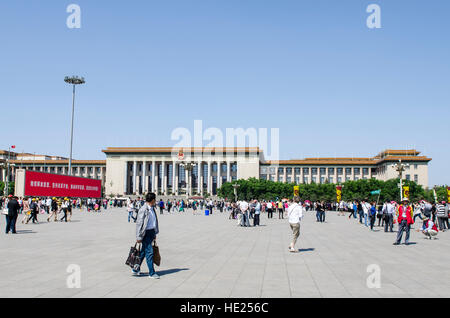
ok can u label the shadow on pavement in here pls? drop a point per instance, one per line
(171, 271)
(26, 232)
(307, 249)
(165, 272)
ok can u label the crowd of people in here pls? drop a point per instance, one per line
(32, 207)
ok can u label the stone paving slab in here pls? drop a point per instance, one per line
(210, 256)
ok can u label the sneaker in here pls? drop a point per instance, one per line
(136, 270)
(396, 243)
(155, 276)
(292, 250)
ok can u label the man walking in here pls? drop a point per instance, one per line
(442, 216)
(404, 222)
(388, 212)
(11, 218)
(295, 214)
(146, 230)
(257, 213)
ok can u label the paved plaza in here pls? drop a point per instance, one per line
(213, 257)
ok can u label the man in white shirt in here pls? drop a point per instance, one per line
(366, 208)
(388, 212)
(48, 204)
(244, 209)
(146, 230)
(295, 214)
(269, 210)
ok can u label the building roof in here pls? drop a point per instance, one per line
(110, 150)
(59, 162)
(385, 156)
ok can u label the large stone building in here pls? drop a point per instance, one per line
(197, 171)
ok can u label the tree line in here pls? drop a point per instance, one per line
(352, 190)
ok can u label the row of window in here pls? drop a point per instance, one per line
(330, 179)
(62, 169)
(314, 171)
(214, 167)
(305, 179)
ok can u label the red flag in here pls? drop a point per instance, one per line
(13, 147)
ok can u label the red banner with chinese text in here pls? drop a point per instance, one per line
(38, 184)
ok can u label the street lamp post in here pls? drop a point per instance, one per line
(6, 191)
(235, 187)
(74, 80)
(400, 167)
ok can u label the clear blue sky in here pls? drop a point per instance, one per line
(311, 68)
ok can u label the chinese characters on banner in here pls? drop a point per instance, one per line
(296, 191)
(338, 193)
(405, 193)
(448, 194)
(38, 184)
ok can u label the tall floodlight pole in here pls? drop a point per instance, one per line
(6, 191)
(400, 167)
(74, 80)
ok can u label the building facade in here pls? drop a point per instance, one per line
(199, 171)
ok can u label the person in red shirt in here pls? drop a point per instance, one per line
(405, 219)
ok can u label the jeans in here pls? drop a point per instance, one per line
(402, 227)
(443, 221)
(256, 220)
(372, 221)
(318, 218)
(65, 215)
(147, 250)
(322, 216)
(365, 218)
(389, 222)
(11, 224)
(130, 215)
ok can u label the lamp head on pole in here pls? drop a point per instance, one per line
(75, 80)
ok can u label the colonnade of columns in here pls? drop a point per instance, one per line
(172, 177)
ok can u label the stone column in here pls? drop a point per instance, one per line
(153, 176)
(209, 178)
(310, 175)
(134, 176)
(144, 177)
(163, 179)
(219, 174)
(293, 175)
(285, 174)
(174, 180)
(188, 182)
(276, 173)
(199, 178)
(125, 183)
(229, 171)
(177, 180)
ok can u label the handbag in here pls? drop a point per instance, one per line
(5, 211)
(134, 257)
(156, 255)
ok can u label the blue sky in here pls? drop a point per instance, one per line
(311, 68)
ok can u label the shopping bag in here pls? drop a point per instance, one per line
(134, 257)
(5, 211)
(156, 255)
